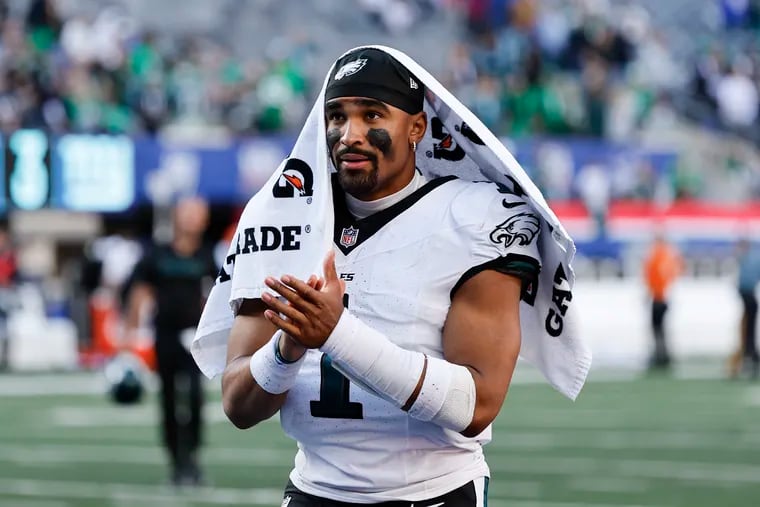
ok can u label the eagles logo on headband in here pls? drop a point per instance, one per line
(374, 74)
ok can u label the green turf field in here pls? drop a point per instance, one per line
(647, 442)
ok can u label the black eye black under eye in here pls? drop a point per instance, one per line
(333, 136)
(380, 139)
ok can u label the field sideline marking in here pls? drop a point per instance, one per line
(616, 440)
(645, 469)
(138, 455)
(509, 439)
(216, 496)
(25, 502)
(576, 466)
(139, 492)
(16, 385)
(547, 503)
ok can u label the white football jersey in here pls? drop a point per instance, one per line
(402, 266)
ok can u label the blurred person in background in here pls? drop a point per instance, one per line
(661, 268)
(737, 95)
(172, 280)
(749, 277)
(8, 274)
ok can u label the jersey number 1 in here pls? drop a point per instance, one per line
(334, 388)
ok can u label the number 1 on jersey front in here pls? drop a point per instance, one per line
(334, 391)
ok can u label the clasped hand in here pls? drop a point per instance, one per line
(312, 308)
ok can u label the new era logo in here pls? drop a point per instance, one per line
(413, 84)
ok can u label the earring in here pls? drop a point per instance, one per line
(414, 145)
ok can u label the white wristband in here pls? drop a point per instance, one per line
(270, 371)
(372, 361)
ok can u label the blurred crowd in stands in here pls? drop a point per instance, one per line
(589, 67)
(608, 69)
(100, 72)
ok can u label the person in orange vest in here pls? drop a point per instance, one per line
(662, 266)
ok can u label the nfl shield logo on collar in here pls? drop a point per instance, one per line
(348, 237)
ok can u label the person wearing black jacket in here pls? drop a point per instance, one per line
(172, 279)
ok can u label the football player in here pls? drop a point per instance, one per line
(389, 369)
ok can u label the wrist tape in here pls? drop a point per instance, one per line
(372, 361)
(447, 397)
(369, 359)
(270, 370)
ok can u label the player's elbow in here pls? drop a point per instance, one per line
(236, 407)
(236, 415)
(247, 410)
(482, 418)
(489, 400)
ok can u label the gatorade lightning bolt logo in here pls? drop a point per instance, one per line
(296, 180)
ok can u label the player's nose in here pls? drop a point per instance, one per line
(352, 134)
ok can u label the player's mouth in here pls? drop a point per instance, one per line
(354, 161)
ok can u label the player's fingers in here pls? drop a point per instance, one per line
(320, 284)
(292, 313)
(287, 327)
(312, 281)
(288, 293)
(331, 275)
(305, 290)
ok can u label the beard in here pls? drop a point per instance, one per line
(358, 183)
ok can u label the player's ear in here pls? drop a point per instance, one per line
(418, 127)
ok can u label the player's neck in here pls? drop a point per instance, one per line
(362, 209)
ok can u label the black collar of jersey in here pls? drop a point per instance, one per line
(357, 230)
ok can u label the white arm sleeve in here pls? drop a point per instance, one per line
(373, 362)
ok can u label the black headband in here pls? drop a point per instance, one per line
(375, 74)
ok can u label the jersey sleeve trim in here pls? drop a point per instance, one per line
(522, 266)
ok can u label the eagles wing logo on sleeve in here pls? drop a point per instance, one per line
(520, 228)
(350, 68)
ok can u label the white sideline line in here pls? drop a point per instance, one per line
(617, 440)
(31, 455)
(150, 495)
(94, 383)
(547, 503)
(145, 414)
(119, 492)
(135, 454)
(24, 502)
(644, 469)
(573, 466)
(608, 485)
(16, 385)
(114, 416)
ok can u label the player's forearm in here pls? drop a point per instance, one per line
(245, 402)
(429, 389)
(254, 387)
